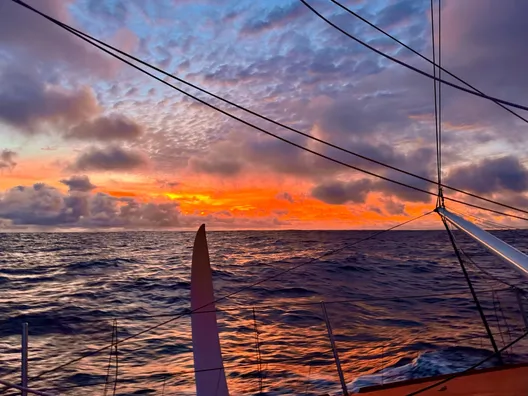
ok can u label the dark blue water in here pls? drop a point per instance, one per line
(398, 304)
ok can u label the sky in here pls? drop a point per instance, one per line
(89, 143)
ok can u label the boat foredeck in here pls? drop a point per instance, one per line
(502, 381)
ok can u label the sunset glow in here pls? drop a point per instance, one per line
(96, 144)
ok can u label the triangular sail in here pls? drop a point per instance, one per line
(516, 259)
(208, 362)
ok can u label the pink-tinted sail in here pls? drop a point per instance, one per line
(208, 363)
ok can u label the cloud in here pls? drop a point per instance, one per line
(106, 129)
(286, 197)
(490, 176)
(339, 193)
(79, 183)
(26, 102)
(393, 207)
(54, 48)
(167, 183)
(277, 17)
(7, 159)
(348, 116)
(224, 167)
(397, 13)
(112, 158)
(221, 161)
(43, 205)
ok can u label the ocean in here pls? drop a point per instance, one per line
(398, 305)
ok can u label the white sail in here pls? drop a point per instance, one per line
(516, 259)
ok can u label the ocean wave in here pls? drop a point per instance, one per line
(427, 364)
(99, 264)
(71, 296)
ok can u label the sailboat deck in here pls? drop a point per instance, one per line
(502, 381)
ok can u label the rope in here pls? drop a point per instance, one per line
(406, 65)
(93, 41)
(227, 296)
(425, 58)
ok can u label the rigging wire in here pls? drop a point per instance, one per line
(440, 192)
(355, 14)
(437, 139)
(493, 299)
(406, 65)
(98, 43)
(267, 362)
(485, 222)
(230, 366)
(109, 364)
(489, 275)
(307, 303)
(225, 297)
(456, 375)
(257, 350)
(470, 285)
(116, 375)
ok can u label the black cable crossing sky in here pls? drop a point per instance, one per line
(439, 65)
(404, 64)
(98, 44)
(437, 127)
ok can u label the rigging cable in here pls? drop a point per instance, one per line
(109, 364)
(225, 297)
(309, 303)
(93, 41)
(456, 375)
(89, 40)
(472, 290)
(355, 14)
(440, 192)
(116, 358)
(437, 139)
(406, 65)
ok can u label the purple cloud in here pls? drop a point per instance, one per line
(7, 159)
(42, 205)
(112, 158)
(46, 42)
(78, 183)
(26, 102)
(106, 129)
(339, 193)
(491, 176)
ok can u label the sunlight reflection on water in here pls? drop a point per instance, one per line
(69, 287)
